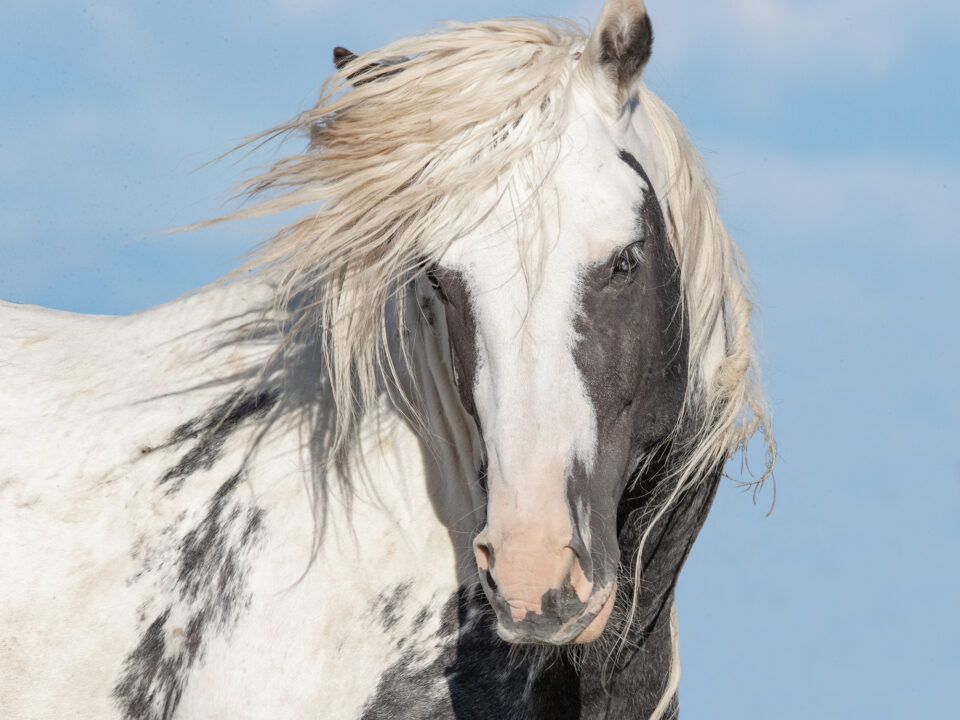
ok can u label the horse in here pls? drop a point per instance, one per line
(438, 450)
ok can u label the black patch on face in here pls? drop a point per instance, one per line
(632, 355)
(557, 606)
(451, 288)
(208, 584)
(210, 431)
(630, 159)
(625, 52)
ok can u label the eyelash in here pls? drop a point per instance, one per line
(628, 259)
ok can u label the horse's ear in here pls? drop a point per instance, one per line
(343, 57)
(618, 49)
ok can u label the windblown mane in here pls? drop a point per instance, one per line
(416, 149)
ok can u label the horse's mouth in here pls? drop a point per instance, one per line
(585, 627)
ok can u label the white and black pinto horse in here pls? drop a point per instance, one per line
(441, 456)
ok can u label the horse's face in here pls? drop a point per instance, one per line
(569, 350)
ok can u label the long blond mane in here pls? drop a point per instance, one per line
(417, 149)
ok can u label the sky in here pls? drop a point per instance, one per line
(829, 129)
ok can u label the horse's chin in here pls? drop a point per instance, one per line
(584, 628)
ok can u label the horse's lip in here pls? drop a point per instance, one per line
(573, 629)
(599, 603)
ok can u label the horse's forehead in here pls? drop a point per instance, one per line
(583, 214)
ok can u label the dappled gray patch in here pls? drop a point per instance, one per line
(210, 431)
(209, 589)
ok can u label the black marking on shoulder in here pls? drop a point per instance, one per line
(421, 618)
(207, 554)
(210, 432)
(389, 605)
(208, 589)
(149, 673)
(411, 688)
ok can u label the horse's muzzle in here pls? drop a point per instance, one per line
(542, 597)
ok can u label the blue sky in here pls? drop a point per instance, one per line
(830, 131)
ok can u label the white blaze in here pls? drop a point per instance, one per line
(524, 283)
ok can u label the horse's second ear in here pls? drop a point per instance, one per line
(618, 49)
(341, 56)
(377, 70)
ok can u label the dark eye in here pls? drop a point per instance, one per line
(628, 259)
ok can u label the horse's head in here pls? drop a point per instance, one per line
(522, 168)
(569, 348)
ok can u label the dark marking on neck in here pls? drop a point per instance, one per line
(206, 582)
(210, 432)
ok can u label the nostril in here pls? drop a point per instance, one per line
(482, 553)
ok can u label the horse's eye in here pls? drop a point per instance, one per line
(629, 258)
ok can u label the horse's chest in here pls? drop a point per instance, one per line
(465, 672)
(324, 646)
